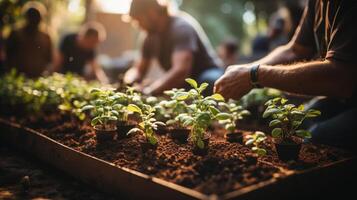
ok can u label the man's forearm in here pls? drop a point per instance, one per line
(320, 78)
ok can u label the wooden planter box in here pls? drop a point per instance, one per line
(130, 184)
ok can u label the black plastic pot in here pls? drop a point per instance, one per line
(288, 150)
(123, 127)
(161, 130)
(234, 137)
(180, 134)
(104, 135)
(202, 152)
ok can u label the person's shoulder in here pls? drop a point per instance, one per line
(182, 19)
(183, 23)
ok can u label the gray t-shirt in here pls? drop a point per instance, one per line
(184, 33)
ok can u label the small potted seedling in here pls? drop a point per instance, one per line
(160, 112)
(177, 109)
(147, 126)
(255, 140)
(235, 112)
(123, 122)
(286, 120)
(104, 115)
(203, 112)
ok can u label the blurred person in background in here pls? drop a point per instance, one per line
(276, 36)
(77, 53)
(29, 49)
(228, 51)
(178, 42)
(319, 61)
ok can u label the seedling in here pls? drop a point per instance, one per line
(202, 111)
(148, 124)
(255, 140)
(286, 120)
(236, 113)
(104, 109)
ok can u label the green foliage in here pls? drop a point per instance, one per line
(287, 118)
(104, 109)
(195, 111)
(67, 92)
(233, 113)
(255, 140)
(148, 123)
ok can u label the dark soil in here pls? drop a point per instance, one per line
(226, 167)
(21, 178)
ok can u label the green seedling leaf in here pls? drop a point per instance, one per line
(133, 130)
(202, 87)
(274, 122)
(313, 113)
(213, 110)
(276, 132)
(270, 112)
(192, 82)
(134, 108)
(181, 96)
(152, 140)
(218, 97)
(303, 133)
(283, 101)
(200, 144)
(249, 142)
(223, 116)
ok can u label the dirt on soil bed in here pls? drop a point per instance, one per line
(226, 167)
(42, 183)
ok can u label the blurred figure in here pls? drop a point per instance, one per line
(77, 52)
(180, 45)
(228, 51)
(275, 37)
(29, 49)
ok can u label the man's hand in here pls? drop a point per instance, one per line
(234, 83)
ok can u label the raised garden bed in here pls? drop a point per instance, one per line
(171, 171)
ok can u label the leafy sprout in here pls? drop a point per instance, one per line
(255, 141)
(104, 108)
(287, 118)
(148, 123)
(201, 110)
(234, 112)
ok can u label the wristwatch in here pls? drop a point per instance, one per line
(254, 76)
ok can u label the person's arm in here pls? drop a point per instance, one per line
(175, 77)
(98, 72)
(57, 62)
(137, 73)
(318, 78)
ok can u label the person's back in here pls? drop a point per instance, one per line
(30, 53)
(28, 49)
(74, 57)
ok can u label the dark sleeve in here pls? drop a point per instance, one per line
(304, 34)
(185, 38)
(92, 55)
(343, 40)
(50, 50)
(65, 44)
(11, 46)
(148, 47)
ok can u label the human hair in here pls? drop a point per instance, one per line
(34, 8)
(93, 29)
(231, 45)
(139, 7)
